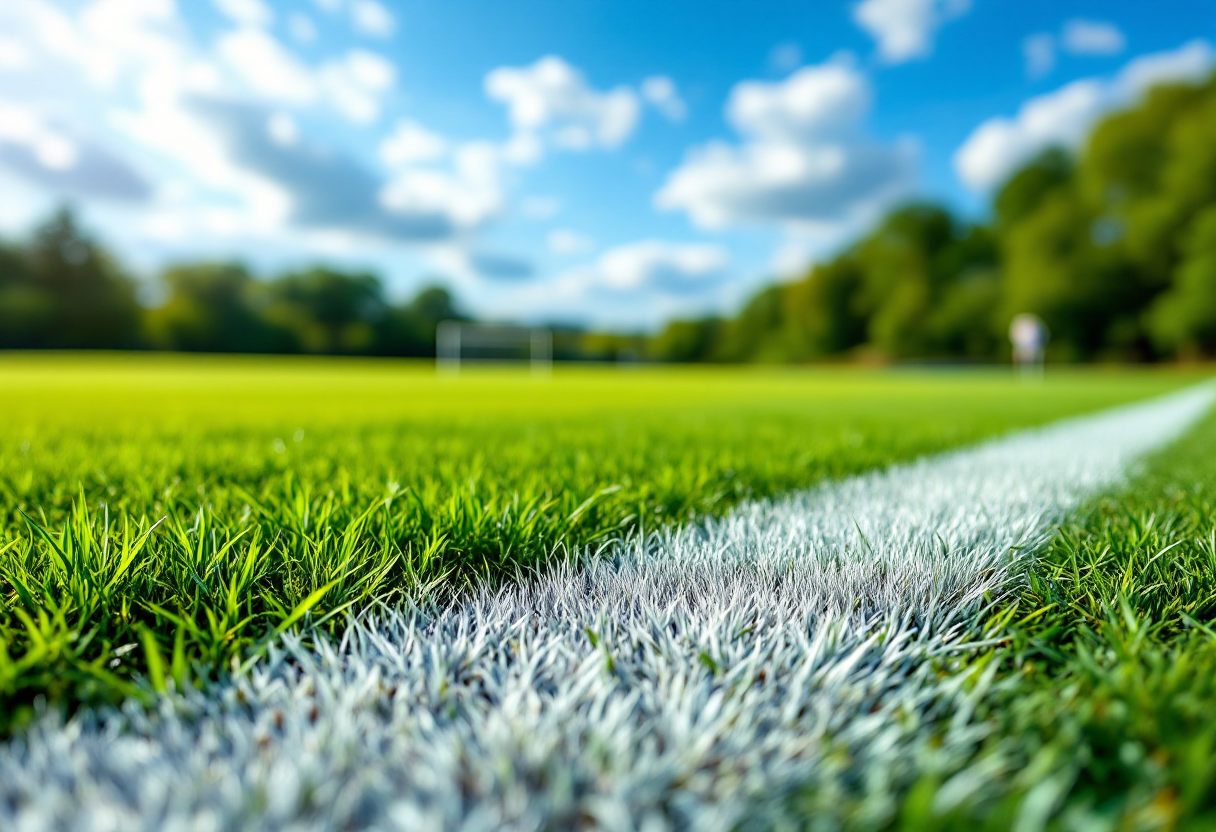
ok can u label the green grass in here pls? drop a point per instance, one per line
(161, 518)
(1101, 714)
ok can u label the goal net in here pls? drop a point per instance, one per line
(460, 342)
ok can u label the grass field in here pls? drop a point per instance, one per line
(1101, 712)
(163, 520)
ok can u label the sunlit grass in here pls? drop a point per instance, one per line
(1101, 714)
(162, 518)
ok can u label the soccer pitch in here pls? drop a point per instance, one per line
(352, 594)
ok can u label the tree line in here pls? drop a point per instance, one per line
(1113, 246)
(62, 290)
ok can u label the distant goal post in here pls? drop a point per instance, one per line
(461, 342)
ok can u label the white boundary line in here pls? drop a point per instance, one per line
(696, 679)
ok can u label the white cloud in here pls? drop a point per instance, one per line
(224, 125)
(49, 147)
(246, 12)
(793, 258)
(468, 195)
(999, 146)
(356, 83)
(1082, 38)
(1039, 51)
(552, 98)
(410, 143)
(301, 27)
(565, 241)
(1191, 63)
(353, 84)
(661, 92)
(805, 160)
(905, 29)
(283, 129)
(1092, 37)
(371, 18)
(106, 40)
(829, 99)
(651, 266)
(13, 55)
(41, 151)
(267, 67)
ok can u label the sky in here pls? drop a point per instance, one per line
(605, 163)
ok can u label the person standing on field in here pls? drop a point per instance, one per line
(1029, 335)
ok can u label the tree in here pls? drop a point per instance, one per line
(212, 307)
(410, 330)
(1150, 170)
(325, 310)
(823, 313)
(1024, 192)
(1183, 319)
(686, 341)
(26, 312)
(913, 265)
(755, 333)
(84, 299)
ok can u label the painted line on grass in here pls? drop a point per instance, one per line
(703, 678)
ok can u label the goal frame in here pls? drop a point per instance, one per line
(451, 337)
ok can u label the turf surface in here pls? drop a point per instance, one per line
(1102, 711)
(163, 518)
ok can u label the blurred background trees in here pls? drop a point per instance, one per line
(63, 291)
(1114, 247)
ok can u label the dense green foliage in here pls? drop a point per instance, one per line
(1115, 249)
(171, 513)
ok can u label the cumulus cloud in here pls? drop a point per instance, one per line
(356, 83)
(551, 98)
(246, 12)
(66, 163)
(410, 143)
(282, 129)
(905, 29)
(1001, 145)
(651, 266)
(792, 258)
(1080, 38)
(106, 40)
(266, 67)
(1092, 37)
(327, 190)
(353, 84)
(372, 18)
(660, 91)
(565, 241)
(13, 55)
(805, 159)
(467, 196)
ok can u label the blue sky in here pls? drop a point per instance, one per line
(606, 162)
